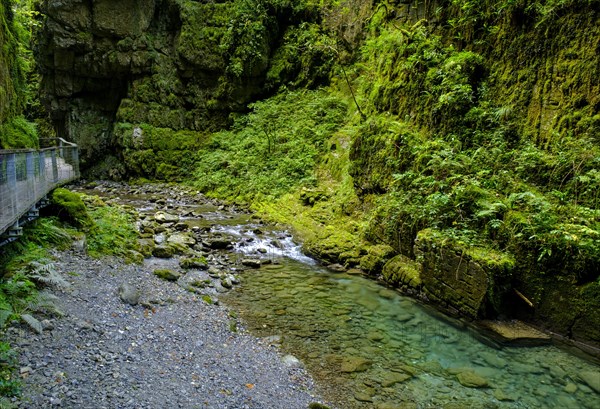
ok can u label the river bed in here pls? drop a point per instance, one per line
(370, 347)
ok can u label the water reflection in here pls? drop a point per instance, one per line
(375, 348)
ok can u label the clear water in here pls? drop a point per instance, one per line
(411, 357)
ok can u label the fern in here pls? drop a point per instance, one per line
(45, 273)
(33, 322)
(45, 302)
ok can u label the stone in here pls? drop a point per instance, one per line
(129, 294)
(363, 397)
(355, 364)
(516, 332)
(193, 262)
(471, 380)
(166, 274)
(393, 378)
(251, 262)
(376, 336)
(570, 388)
(226, 283)
(502, 396)
(291, 361)
(336, 267)
(164, 217)
(592, 379)
(182, 239)
(219, 243)
(160, 238)
(163, 251)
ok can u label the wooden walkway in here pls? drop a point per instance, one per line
(26, 177)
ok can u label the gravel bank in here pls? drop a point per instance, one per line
(172, 350)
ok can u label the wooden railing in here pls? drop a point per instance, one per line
(27, 176)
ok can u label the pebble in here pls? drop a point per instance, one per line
(169, 349)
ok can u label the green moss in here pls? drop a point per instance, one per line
(167, 275)
(18, 133)
(402, 271)
(113, 233)
(70, 207)
(193, 262)
(207, 299)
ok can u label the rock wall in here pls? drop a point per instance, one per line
(169, 65)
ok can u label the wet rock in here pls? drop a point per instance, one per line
(502, 396)
(363, 396)
(164, 217)
(181, 226)
(336, 267)
(355, 364)
(291, 361)
(160, 238)
(226, 283)
(251, 262)
(193, 262)
(471, 380)
(493, 359)
(129, 294)
(592, 379)
(570, 388)
(219, 243)
(393, 378)
(183, 239)
(376, 336)
(166, 274)
(163, 251)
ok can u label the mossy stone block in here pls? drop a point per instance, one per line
(402, 271)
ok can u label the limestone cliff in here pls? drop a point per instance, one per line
(170, 65)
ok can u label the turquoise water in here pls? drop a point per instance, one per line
(373, 348)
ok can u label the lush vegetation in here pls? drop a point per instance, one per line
(442, 134)
(18, 79)
(272, 150)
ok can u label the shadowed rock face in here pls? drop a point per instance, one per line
(160, 60)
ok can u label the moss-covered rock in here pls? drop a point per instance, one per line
(166, 274)
(376, 257)
(70, 207)
(460, 277)
(193, 262)
(402, 271)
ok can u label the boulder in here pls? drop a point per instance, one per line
(183, 239)
(163, 251)
(193, 262)
(164, 217)
(129, 294)
(251, 262)
(219, 243)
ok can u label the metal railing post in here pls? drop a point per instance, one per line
(11, 177)
(54, 167)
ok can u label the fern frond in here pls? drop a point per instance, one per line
(33, 322)
(44, 272)
(4, 316)
(45, 302)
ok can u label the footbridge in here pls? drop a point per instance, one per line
(27, 176)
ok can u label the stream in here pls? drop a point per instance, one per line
(370, 347)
